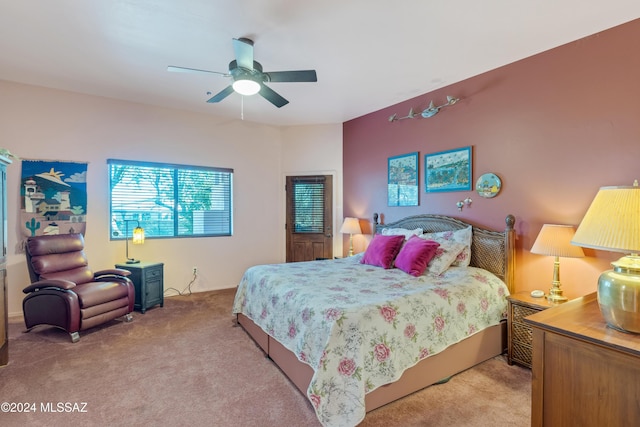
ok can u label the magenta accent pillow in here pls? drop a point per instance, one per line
(382, 250)
(415, 255)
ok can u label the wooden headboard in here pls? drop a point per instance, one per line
(492, 250)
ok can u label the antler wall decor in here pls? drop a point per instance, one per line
(430, 111)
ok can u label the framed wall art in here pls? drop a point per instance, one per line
(448, 170)
(402, 187)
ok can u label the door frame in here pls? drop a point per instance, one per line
(336, 209)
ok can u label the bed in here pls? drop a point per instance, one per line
(353, 337)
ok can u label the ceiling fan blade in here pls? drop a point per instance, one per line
(175, 69)
(222, 94)
(243, 49)
(292, 76)
(271, 96)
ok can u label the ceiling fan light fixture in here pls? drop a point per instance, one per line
(248, 77)
(246, 87)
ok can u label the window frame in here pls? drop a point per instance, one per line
(175, 171)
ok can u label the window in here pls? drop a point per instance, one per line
(308, 204)
(170, 200)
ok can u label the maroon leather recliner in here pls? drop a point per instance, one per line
(64, 292)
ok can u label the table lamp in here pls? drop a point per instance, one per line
(612, 223)
(555, 240)
(136, 239)
(350, 226)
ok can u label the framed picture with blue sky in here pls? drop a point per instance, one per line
(448, 170)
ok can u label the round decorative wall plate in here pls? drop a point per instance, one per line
(488, 185)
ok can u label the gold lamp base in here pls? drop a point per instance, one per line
(555, 293)
(619, 295)
(350, 244)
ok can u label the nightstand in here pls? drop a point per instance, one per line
(520, 336)
(147, 278)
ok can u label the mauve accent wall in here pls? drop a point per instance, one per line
(554, 127)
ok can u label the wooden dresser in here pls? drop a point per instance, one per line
(584, 373)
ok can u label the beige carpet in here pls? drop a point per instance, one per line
(187, 364)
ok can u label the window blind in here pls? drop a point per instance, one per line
(170, 200)
(308, 204)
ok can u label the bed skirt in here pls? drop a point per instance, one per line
(456, 358)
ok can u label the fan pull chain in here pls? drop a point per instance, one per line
(241, 107)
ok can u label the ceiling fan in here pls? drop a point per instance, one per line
(248, 77)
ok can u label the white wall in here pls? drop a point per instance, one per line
(39, 123)
(311, 150)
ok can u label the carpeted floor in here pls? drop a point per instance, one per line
(187, 364)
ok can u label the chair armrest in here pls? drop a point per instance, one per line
(112, 272)
(50, 284)
(113, 275)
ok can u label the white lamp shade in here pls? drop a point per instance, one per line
(555, 240)
(612, 222)
(246, 87)
(351, 226)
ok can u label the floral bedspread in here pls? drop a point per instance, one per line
(359, 327)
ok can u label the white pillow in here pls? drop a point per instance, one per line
(445, 255)
(401, 232)
(463, 236)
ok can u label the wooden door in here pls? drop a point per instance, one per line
(309, 217)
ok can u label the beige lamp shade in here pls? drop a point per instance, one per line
(351, 226)
(612, 222)
(555, 240)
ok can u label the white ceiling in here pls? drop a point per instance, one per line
(368, 54)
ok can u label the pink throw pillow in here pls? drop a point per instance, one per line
(382, 250)
(415, 255)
